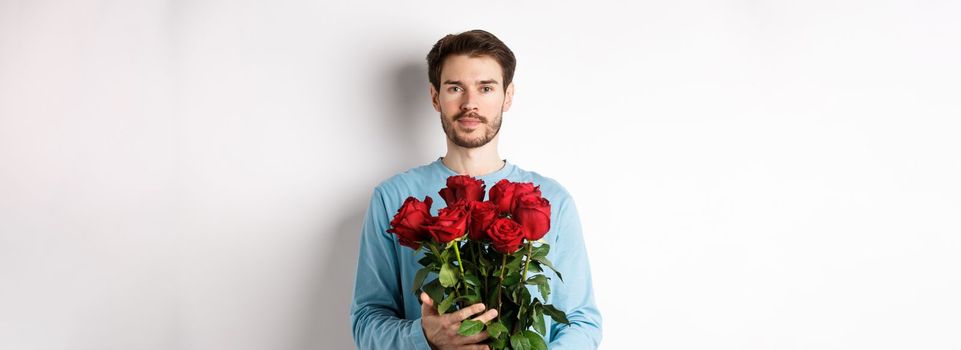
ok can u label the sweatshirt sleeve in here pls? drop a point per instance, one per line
(575, 295)
(376, 311)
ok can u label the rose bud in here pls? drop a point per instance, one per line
(463, 187)
(408, 224)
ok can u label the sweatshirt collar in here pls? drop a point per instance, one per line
(489, 179)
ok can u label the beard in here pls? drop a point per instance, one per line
(460, 138)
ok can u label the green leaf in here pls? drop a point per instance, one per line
(448, 277)
(499, 343)
(435, 290)
(543, 260)
(539, 319)
(542, 284)
(496, 329)
(419, 279)
(470, 327)
(512, 278)
(541, 250)
(444, 305)
(471, 279)
(469, 299)
(534, 267)
(536, 341)
(555, 314)
(523, 299)
(514, 263)
(537, 279)
(519, 341)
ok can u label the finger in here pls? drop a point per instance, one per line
(427, 305)
(487, 316)
(469, 311)
(425, 299)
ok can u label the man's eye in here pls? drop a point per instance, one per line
(487, 89)
(454, 89)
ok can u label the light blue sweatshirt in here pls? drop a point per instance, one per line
(385, 314)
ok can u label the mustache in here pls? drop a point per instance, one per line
(474, 115)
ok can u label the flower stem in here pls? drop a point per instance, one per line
(530, 250)
(457, 252)
(460, 265)
(500, 286)
(477, 266)
(521, 323)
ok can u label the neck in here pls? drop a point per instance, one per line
(473, 161)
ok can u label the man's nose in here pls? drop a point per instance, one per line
(470, 101)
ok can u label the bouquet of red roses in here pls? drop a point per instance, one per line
(485, 251)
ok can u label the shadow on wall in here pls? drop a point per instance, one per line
(328, 323)
(412, 107)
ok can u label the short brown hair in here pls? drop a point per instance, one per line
(473, 43)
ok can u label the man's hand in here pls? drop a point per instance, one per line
(441, 330)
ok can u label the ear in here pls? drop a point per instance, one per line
(434, 98)
(508, 97)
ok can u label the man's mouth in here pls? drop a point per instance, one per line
(469, 121)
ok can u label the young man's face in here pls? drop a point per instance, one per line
(471, 99)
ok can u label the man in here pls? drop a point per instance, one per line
(470, 85)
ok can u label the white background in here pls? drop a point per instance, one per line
(750, 174)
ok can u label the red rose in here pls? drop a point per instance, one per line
(506, 234)
(505, 194)
(501, 195)
(521, 190)
(451, 223)
(408, 223)
(482, 215)
(534, 214)
(461, 187)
